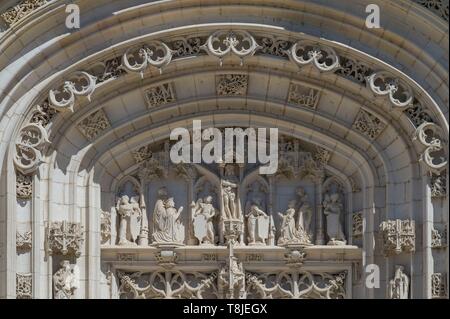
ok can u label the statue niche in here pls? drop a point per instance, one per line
(130, 216)
(167, 226)
(333, 209)
(258, 223)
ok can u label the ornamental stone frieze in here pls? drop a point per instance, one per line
(21, 10)
(398, 236)
(64, 238)
(24, 288)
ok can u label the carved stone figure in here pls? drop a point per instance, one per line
(65, 281)
(399, 286)
(288, 232)
(258, 224)
(304, 215)
(167, 225)
(333, 211)
(230, 185)
(203, 214)
(130, 220)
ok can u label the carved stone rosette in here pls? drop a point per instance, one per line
(64, 238)
(398, 236)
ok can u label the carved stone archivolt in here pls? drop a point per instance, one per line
(64, 238)
(368, 124)
(438, 7)
(398, 236)
(24, 288)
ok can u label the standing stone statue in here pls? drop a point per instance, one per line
(130, 220)
(203, 214)
(289, 233)
(166, 218)
(304, 215)
(65, 281)
(399, 286)
(230, 186)
(333, 210)
(258, 224)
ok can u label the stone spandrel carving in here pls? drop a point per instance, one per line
(24, 288)
(303, 96)
(23, 9)
(438, 184)
(296, 285)
(24, 186)
(439, 286)
(368, 124)
(232, 84)
(168, 228)
(357, 225)
(222, 43)
(333, 210)
(203, 213)
(64, 238)
(398, 236)
(130, 216)
(65, 281)
(167, 285)
(160, 95)
(142, 154)
(94, 125)
(399, 286)
(24, 241)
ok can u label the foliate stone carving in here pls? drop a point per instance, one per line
(20, 11)
(398, 236)
(23, 241)
(354, 70)
(64, 238)
(130, 215)
(322, 155)
(160, 95)
(79, 84)
(31, 140)
(168, 228)
(303, 96)
(167, 285)
(274, 46)
(142, 154)
(43, 114)
(417, 114)
(430, 136)
(438, 285)
(438, 239)
(94, 125)
(203, 213)
(357, 225)
(296, 285)
(368, 124)
(66, 281)
(295, 257)
(186, 47)
(24, 186)
(232, 279)
(438, 7)
(399, 93)
(24, 288)
(223, 43)
(156, 54)
(399, 286)
(105, 226)
(109, 70)
(305, 52)
(333, 209)
(232, 84)
(438, 184)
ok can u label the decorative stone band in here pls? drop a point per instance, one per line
(64, 238)
(220, 44)
(398, 236)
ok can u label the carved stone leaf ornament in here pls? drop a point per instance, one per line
(24, 288)
(21, 10)
(383, 84)
(305, 52)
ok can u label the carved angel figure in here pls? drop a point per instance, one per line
(333, 210)
(289, 233)
(258, 224)
(130, 220)
(167, 225)
(399, 286)
(65, 281)
(203, 214)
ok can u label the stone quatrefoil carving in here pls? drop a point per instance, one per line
(222, 44)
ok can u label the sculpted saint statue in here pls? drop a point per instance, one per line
(333, 210)
(257, 224)
(130, 220)
(289, 233)
(65, 281)
(203, 214)
(399, 286)
(167, 225)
